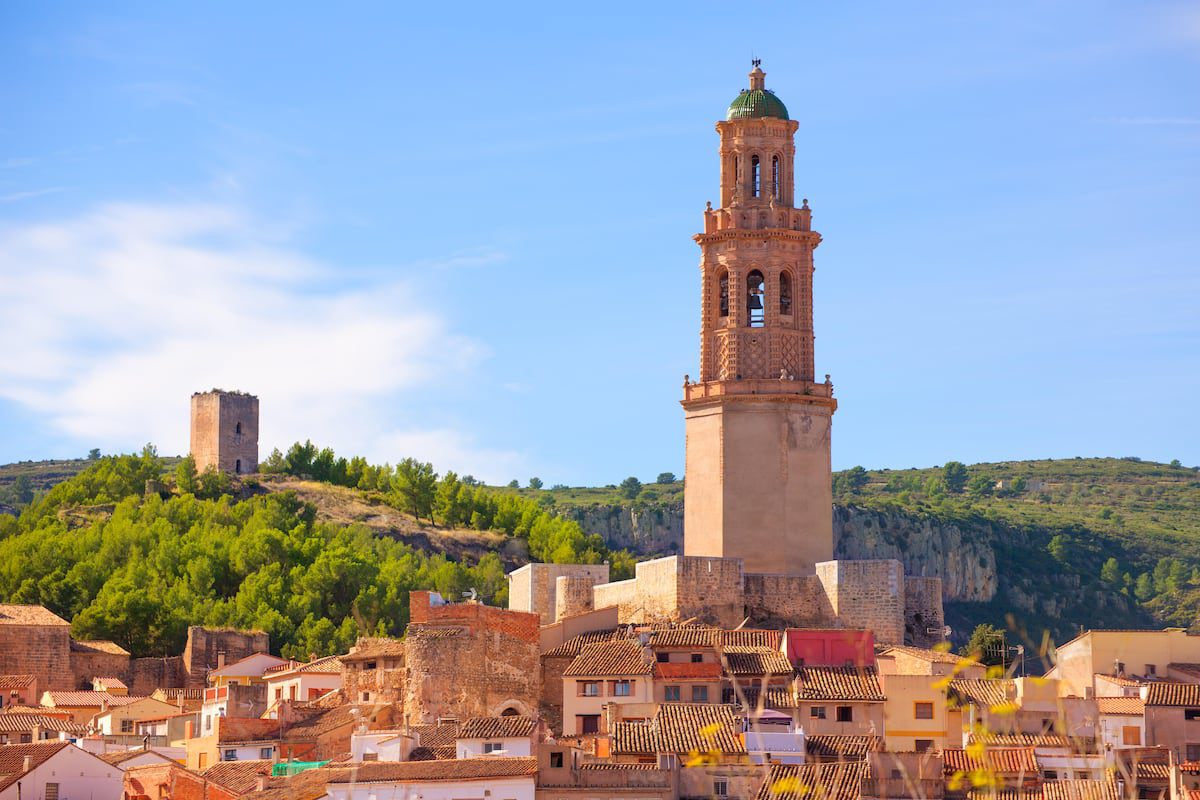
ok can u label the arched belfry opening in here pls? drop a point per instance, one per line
(723, 293)
(775, 177)
(755, 176)
(756, 299)
(785, 293)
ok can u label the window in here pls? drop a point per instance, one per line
(896, 774)
(697, 658)
(231, 755)
(622, 688)
(755, 176)
(126, 726)
(202, 763)
(785, 293)
(1050, 775)
(1082, 775)
(556, 759)
(923, 745)
(845, 714)
(51, 792)
(720, 788)
(589, 688)
(208, 723)
(699, 694)
(775, 177)
(266, 753)
(662, 658)
(366, 697)
(1131, 734)
(369, 665)
(723, 288)
(370, 756)
(817, 712)
(26, 738)
(1120, 667)
(237, 466)
(755, 295)
(1151, 669)
(923, 710)
(279, 693)
(1191, 713)
(588, 723)
(1193, 752)
(671, 694)
(237, 431)
(493, 747)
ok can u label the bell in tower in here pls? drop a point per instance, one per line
(758, 481)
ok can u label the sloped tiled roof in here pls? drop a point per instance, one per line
(21, 722)
(615, 658)
(331, 665)
(443, 753)
(932, 656)
(376, 648)
(98, 646)
(571, 647)
(839, 683)
(436, 735)
(331, 719)
(751, 660)
(612, 766)
(1122, 680)
(240, 776)
(110, 682)
(60, 699)
(496, 727)
(777, 697)
(172, 695)
(467, 769)
(120, 757)
(751, 637)
(704, 670)
(29, 615)
(999, 760)
(1129, 706)
(1185, 668)
(1076, 744)
(311, 784)
(832, 746)
(981, 692)
(689, 636)
(240, 667)
(835, 781)
(12, 759)
(239, 729)
(1079, 789)
(680, 728)
(16, 681)
(1168, 693)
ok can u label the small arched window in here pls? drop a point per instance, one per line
(238, 429)
(755, 176)
(723, 293)
(237, 466)
(785, 293)
(756, 300)
(775, 177)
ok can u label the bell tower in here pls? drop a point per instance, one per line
(758, 480)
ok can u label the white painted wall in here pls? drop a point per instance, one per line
(1112, 730)
(248, 753)
(516, 746)
(384, 745)
(500, 789)
(79, 775)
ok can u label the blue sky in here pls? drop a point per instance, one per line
(463, 232)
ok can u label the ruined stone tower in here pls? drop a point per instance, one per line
(225, 431)
(758, 480)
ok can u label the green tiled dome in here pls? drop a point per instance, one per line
(752, 103)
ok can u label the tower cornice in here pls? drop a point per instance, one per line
(811, 238)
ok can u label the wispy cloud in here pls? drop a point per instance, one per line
(129, 309)
(28, 195)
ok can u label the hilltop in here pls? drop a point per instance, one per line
(1051, 544)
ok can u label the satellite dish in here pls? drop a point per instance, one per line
(944, 631)
(471, 594)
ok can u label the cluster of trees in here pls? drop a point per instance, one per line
(415, 487)
(146, 566)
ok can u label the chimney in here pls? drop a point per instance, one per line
(220, 659)
(262, 783)
(26, 764)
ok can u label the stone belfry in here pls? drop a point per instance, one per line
(758, 481)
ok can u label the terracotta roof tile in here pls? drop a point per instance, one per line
(108, 683)
(612, 766)
(87, 699)
(19, 723)
(571, 647)
(1003, 761)
(836, 781)
(29, 615)
(1077, 789)
(307, 785)
(932, 656)
(751, 637)
(1026, 740)
(172, 695)
(1185, 668)
(1167, 693)
(98, 646)
(467, 769)
(240, 776)
(1131, 706)
(376, 648)
(619, 657)
(705, 670)
(331, 719)
(436, 735)
(238, 729)
(681, 728)
(1122, 680)
(687, 636)
(443, 753)
(981, 692)
(839, 683)
(497, 727)
(742, 660)
(120, 757)
(430, 631)
(12, 758)
(16, 681)
(777, 697)
(329, 665)
(834, 747)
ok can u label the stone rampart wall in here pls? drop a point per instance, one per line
(43, 651)
(867, 594)
(795, 601)
(923, 610)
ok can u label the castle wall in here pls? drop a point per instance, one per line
(710, 590)
(148, 674)
(573, 596)
(622, 595)
(43, 651)
(533, 587)
(793, 601)
(923, 611)
(867, 594)
(87, 664)
(206, 648)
